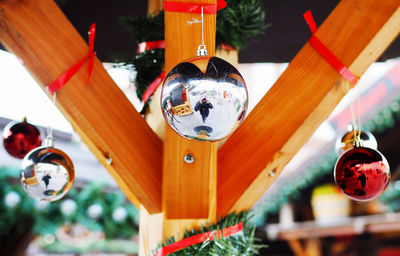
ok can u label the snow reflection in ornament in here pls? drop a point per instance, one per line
(204, 98)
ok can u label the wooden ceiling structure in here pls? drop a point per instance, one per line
(172, 194)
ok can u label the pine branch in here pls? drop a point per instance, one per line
(241, 244)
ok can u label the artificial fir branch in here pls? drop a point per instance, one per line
(241, 244)
(240, 21)
(144, 29)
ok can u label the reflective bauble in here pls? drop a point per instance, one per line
(347, 141)
(204, 98)
(47, 173)
(362, 173)
(20, 138)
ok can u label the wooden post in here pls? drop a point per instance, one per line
(189, 190)
(154, 6)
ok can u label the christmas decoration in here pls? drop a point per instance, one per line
(95, 211)
(206, 104)
(12, 199)
(236, 24)
(20, 138)
(347, 140)
(362, 173)
(119, 214)
(381, 121)
(47, 173)
(326, 53)
(64, 78)
(232, 235)
(68, 207)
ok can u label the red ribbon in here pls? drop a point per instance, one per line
(194, 8)
(64, 78)
(200, 238)
(145, 46)
(153, 87)
(326, 53)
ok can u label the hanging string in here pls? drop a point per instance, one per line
(202, 49)
(359, 112)
(49, 137)
(202, 26)
(356, 136)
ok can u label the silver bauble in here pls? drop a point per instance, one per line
(347, 141)
(47, 173)
(204, 98)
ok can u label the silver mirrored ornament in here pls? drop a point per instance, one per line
(204, 99)
(348, 141)
(47, 173)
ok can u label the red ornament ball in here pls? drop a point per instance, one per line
(362, 173)
(20, 138)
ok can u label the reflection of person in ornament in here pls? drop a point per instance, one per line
(204, 107)
(46, 179)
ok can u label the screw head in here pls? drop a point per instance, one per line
(272, 173)
(188, 158)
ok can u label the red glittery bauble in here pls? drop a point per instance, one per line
(20, 138)
(362, 173)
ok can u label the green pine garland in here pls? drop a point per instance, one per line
(236, 24)
(39, 221)
(239, 22)
(241, 244)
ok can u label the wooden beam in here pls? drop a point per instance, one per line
(188, 189)
(150, 231)
(357, 32)
(47, 43)
(154, 6)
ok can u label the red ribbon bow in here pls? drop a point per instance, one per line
(326, 53)
(200, 238)
(64, 78)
